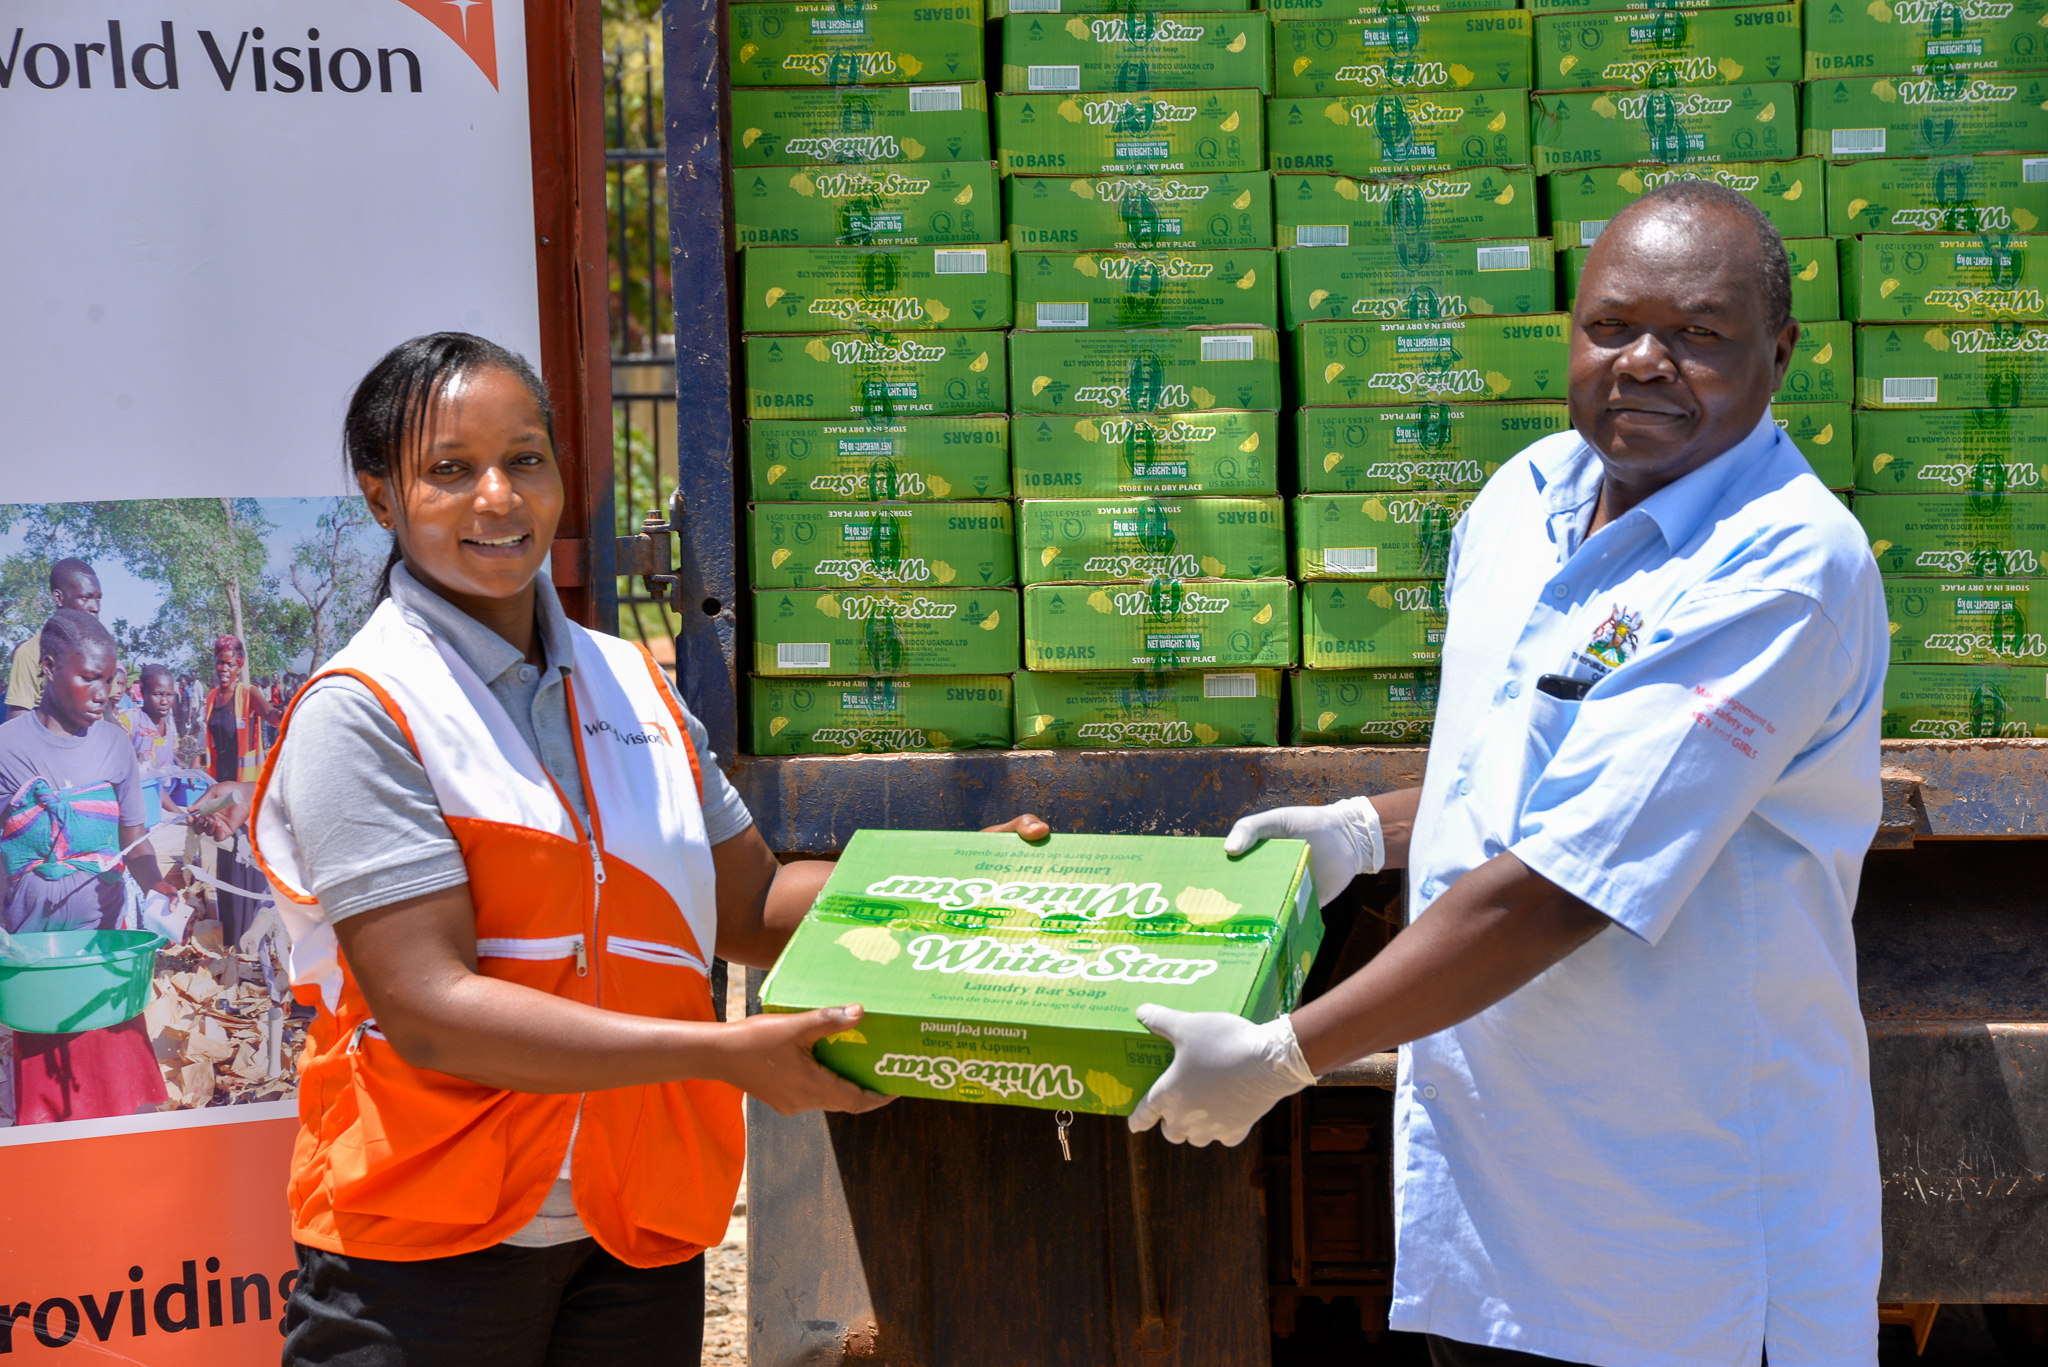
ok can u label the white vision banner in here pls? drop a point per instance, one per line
(216, 214)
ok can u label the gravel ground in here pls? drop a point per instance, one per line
(725, 1267)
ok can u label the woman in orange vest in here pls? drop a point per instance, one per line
(507, 862)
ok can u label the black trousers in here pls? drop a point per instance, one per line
(573, 1305)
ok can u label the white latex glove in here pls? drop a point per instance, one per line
(1226, 1073)
(1344, 840)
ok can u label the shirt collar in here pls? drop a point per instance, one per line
(482, 649)
(1569, 478)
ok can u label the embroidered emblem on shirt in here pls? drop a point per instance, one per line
(1614, 638)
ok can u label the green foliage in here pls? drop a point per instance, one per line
(208, 557)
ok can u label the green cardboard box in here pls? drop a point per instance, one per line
(1651, 6)
(1951, 365)
(998, 9)
(898, 289)
(1928, 278)
(881, 715)
(1135, 289)
(1667, 47)
(1951, 450)
(845, 462)
(1386, 280)
(1138, 50)
(871, 125)
(1403, 450)
(1984, 193)
(1353, 54)
(1823, 366)
(1816, 277)
(876, 378)
(1153, 371)
(1969, 621)
(1217, 452)
(1965, 702)
(1145, 134)
(997, 971)
(1362, 626)
(840, 545)
(1286, 11)
(1140, 213)
(1896, 116)
(812, 634)
(1377, 536)
(1141, 711)
(1452, 359)
(1160, 626)
(1336, 211)
(1569, 130)
(1789, 193)
(1084, 540)
(1364, 706)
(1399, 134)
(1825, 435)
(857, 206)
(854, 42)
(1924, 37)
(1987, 535)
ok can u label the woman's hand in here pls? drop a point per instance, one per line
(1031, 828)
(219, 823)
(770, 1058)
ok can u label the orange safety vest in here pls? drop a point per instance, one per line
(248, 732)
(405, 1163)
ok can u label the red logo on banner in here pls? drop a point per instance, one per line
(469, 23)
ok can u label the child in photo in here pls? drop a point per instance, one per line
(77, 588)
(70, 802)
(153, 728)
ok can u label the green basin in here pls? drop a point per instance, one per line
(69, 980)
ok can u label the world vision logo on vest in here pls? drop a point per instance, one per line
(641, 733)
(103, 55)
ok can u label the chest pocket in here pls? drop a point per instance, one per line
(1550, 721)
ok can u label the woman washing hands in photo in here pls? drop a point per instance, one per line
(507, 859)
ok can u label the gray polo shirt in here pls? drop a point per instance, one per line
(380, 837)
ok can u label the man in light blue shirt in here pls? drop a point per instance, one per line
(1633, 1122)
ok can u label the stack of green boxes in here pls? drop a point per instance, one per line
(875, 291)
(1145, 377)
(1426, 350)
(1939, 148)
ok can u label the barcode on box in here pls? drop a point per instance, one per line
(1858, 142)
(961, 262)
(1063, 315)
(1236, 347)
(1590, 230)
(934, 99)
(1514, 258)
(803, 655)
(1034, 6)
(1244, 685)
(2033, 169)
(1351, 560)
(1052, 78)
(1322, 235)
(1915, 389)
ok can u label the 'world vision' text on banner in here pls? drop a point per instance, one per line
(220, 212)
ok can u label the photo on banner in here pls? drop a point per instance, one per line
(216, 612)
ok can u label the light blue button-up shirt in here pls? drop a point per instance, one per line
(1662, 1150)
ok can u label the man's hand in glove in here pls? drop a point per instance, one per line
(1344, 840)
(1226, 1071)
